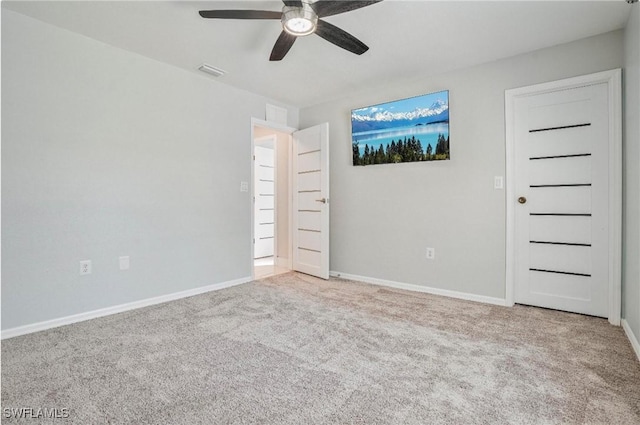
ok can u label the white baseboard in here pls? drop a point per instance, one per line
(54, 323)
(632, 338)
(420, 288)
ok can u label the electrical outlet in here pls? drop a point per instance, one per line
(85, 267)
(124, 262)
(431, 253)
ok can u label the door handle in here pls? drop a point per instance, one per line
(323, 200)
(522, 200)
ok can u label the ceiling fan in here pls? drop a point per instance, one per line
(300, 18)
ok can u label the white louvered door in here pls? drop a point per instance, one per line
(311, 201)
(264, 236)
(562, 206)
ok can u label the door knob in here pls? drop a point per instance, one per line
(323, 200)
(522, 200)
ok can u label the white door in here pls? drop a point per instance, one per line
(310, 165)
(561, 153)
(264, 215)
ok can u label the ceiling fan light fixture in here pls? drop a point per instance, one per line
(299, 21)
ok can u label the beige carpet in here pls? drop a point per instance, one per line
(292, 349)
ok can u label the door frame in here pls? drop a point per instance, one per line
(613, 79)
(282, 129)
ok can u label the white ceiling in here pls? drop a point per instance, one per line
(407, 39)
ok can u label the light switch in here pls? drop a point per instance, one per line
(244, 186)
(498, 182)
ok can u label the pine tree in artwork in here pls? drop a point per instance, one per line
(406, 149)
(440, 148)
(380, 156)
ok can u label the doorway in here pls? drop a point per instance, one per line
(563, 195)
(300, 208)
(271, 201)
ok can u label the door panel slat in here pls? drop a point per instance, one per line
(309, 181)
(564, 258)
(308, 200)
(561, 200)
(308, 258)
(562, 127)
(559, 142)
(310, 220)
(310, 161)
(310, 240)
(560, 111)
(562, 286)
(560, 171)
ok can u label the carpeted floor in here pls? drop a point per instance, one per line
(293, 349)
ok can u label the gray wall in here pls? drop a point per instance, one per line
(106, 153)
(631, 177)
(384, 216)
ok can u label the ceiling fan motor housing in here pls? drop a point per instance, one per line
(299, 21)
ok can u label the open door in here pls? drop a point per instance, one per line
(265, 202)
(310, 166)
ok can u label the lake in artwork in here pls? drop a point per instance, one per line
(408, 130)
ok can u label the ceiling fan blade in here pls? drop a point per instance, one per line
(340, 38)
(240, 14)
(292, 3)
(332, 7)
(282, 46)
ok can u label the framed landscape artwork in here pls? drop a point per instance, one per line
(407, 130)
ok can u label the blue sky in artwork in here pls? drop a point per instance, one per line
(406, 105)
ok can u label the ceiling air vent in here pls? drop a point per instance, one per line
(211, 70)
